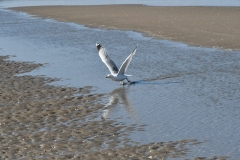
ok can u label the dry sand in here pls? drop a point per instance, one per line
(201, 26)
(40, 121)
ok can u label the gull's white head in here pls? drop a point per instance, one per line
(109, 76)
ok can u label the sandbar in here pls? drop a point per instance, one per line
(41, 121)
(217, 27)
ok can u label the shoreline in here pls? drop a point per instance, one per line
(216, 27)
(41, 120)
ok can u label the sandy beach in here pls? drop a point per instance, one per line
(200, 26)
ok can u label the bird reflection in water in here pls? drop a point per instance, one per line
(119, 97)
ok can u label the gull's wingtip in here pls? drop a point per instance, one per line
(98, 46)
(135, 47)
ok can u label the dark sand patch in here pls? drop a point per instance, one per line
(201, 26)
(40, 121)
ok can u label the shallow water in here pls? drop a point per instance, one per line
(181, 92)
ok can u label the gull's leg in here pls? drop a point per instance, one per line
(128, 80)
(123, 83)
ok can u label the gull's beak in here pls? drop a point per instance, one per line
(106, 76)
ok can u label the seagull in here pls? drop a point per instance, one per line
(116, 74)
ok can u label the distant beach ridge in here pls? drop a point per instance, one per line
(217, 27)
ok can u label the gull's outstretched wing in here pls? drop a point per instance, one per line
(106, 59)
(127, 61)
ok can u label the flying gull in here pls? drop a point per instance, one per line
(116, 74)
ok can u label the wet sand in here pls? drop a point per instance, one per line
(41, 121)
(200, 26)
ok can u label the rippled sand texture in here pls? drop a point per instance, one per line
(201, 26)
(39, 121)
